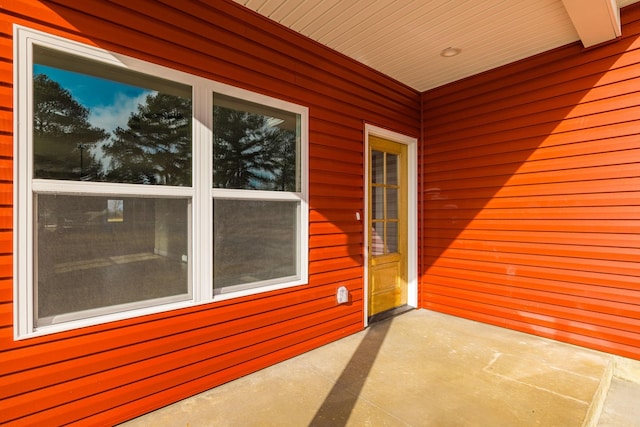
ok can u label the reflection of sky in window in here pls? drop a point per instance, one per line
(110, 103)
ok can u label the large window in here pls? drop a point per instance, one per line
(256, 238)
(142, 189)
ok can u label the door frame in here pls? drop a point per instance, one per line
(412, 212)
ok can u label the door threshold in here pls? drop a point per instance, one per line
(389, 313)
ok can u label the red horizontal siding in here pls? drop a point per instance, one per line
(241, 334)
(614, 92)
(6, 187)
(531, 210)
(108, 373)
(171, 370)
(632, 254)
(549, 260)
(562, 156)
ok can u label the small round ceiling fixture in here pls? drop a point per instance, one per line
(450, 51)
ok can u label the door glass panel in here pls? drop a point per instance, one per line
(392, 169)
(377, 238)
(377, 203)
(392, 237)
(392, 203)
(377, 167)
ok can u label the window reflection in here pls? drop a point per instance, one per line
(255, 147)
(119, 126)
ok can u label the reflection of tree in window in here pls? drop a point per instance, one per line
(61, 133)
(155, 148)
(252, 152)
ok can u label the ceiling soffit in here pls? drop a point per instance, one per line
(404, 39)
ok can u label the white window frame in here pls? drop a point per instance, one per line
(201, 193)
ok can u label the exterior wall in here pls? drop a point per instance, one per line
(108, 373)
(532, 195)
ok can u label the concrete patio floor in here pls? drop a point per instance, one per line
(421, 369)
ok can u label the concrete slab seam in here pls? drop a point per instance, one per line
(597, 403)
(627, 369)
(487, 369)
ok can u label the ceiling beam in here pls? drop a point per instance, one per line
(597, 21)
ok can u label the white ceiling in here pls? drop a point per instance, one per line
(403, 38)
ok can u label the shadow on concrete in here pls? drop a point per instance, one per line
(342, 398)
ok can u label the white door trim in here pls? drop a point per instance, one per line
(412, 212)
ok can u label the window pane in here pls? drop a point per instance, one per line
(255, 147)
(97, 252)
(254, 241)
(392, 169)
(392, 203)
(392, 237)
(377, 202)
(377, 238)
(377, 167)
(93, 122)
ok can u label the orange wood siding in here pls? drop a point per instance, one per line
(108, 373)
(531, 195)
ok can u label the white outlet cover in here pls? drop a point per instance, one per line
(342, 295)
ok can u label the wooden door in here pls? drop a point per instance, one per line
(387, 225)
